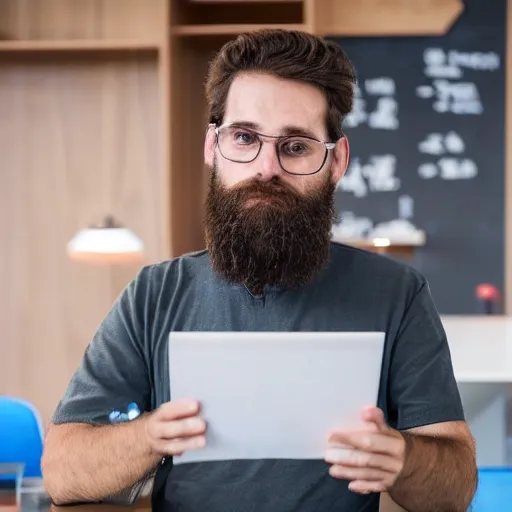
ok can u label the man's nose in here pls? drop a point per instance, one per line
(269, 166)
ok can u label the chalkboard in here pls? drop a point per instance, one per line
(427, 139)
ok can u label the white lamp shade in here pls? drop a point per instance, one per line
(106, 245)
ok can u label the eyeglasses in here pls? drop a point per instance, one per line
(297, 154)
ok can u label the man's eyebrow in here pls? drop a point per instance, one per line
(285, 132)
(245, 124)
(298, 130)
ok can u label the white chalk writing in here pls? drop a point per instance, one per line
(385, 116)
(383, 113)
(405, 207)
(382, 86)
(438, 144)
(378, 175)
(446, 68)
(448, 167)
(457, 98)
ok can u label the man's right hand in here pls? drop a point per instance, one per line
(176, 427)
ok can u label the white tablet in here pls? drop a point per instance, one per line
(271, 395)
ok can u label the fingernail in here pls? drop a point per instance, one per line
(338, 454)
(191, 405)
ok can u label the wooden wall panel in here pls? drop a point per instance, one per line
(81, 19)
(79, 138)
(189, 177)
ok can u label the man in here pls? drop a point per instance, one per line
(275, 147)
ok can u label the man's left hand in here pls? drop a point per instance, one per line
(371, 458)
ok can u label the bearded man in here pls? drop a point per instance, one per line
(275, 149)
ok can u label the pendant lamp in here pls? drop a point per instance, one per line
(106, 243)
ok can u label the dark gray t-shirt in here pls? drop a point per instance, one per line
(359, 291)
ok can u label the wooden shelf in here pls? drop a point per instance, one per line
(71, 45)
(387, 19)
(400, 250)
(236, 28)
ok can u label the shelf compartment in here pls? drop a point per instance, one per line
(224, 13)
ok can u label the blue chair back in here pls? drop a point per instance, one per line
(21, 435)
(494, 493)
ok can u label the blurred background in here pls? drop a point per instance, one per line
(102, 119)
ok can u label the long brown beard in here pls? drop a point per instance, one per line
(281, 240)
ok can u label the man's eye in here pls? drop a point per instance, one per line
(295, 148)
(244, 137)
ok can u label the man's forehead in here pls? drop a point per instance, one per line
(275, 106)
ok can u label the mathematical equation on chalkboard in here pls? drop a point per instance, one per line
(442, 154)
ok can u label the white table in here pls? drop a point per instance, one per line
(481, 349)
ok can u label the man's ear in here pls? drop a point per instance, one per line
(209, 146)
(340, 161)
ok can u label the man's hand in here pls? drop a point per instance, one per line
(176, 427)
(372, 457)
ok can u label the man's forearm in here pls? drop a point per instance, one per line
(439, 475)
(89, 463)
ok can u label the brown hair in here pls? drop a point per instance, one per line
(286, 54)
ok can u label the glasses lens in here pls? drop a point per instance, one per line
(238, 144)
(300, 155)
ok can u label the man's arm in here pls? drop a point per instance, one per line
(440, 469)
(439, 472)
(91, 462)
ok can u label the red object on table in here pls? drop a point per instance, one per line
(489, 296)
(487, 292)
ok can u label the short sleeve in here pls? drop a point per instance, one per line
(422, 385)
(113, 372)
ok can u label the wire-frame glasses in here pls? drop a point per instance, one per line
(297, 154)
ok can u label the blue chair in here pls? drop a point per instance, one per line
(21, 435)
(494, 493)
